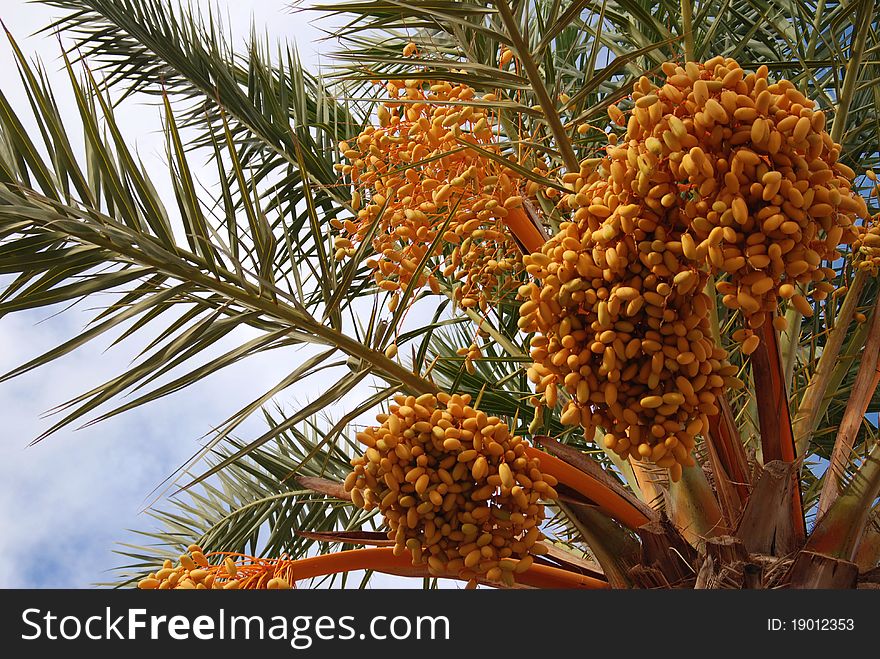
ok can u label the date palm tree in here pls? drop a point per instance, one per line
(785, 484)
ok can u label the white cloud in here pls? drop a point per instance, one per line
(69, 498)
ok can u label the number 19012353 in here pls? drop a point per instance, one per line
(810, 624)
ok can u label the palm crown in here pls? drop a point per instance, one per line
(307, 240)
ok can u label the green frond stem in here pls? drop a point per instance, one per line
(687, 24)
(693, 506)
(853, 68)
(509, 346)
(867, 381)
(811, 408)
(817, 28)
(625, 468)
(181, 265)
(563, 142)
(649, 490)
(789, 344)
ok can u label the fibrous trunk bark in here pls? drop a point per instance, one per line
(766, 525)
(811, 570)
